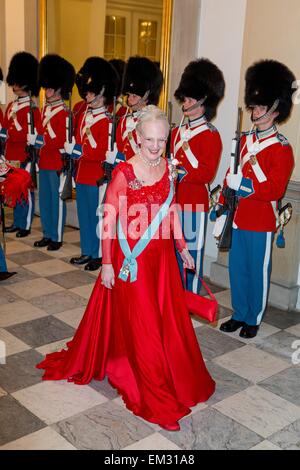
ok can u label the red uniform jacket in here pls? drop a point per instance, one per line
(92, 134)
(121, 110)
(268, 175)
(16, 123)
(198, 168)
(126, 137)
(54, 135)
(78, 109)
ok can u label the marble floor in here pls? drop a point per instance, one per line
(256, 404)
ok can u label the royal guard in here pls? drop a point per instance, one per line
(80, 81)
(196, 147)
(266, 164)
(143, 83)
(92, 141)
(56, 76)
(15, 187)
(22, 78)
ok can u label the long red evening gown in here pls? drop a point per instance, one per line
(138, 334)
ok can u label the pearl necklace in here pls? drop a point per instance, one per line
(149, 162)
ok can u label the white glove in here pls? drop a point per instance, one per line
(219, 224)
(234, 181)
(69, 146)
(31, 138)
(110, 155)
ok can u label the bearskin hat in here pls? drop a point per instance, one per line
(268, 81)
(57, 73)
(23, 71)
(202, 78)
(83, 74)
(1, 75)
(119, 65)
(98, 74)
(141, 76)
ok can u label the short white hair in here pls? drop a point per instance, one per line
(152, 113)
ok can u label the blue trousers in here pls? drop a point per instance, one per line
(87, 197)
(52, 208)
(3, 267)
(23, 212)
(194, 230)
(250, 259)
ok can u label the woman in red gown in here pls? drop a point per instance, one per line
(136, 329)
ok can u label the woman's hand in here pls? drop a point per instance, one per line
(188, 261)
(107, 276)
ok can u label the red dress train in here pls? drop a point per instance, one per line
(138, 334)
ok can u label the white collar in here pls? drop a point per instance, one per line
(23, 99)
(266, 133)
(95, 111)
(198, 121)
(53, 104)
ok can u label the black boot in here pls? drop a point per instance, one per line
(231, 325)
(249, 331)
(11, 229)
(5, 275)
(43, 242)
(83, 259)
(94, 264)
(22, 233)
(54, 246)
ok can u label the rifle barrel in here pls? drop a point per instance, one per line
(230, 197)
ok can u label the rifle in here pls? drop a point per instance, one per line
(107, 165)
(168, 146)
(231, 200)
(32, 152)
(2, 221)
(2, 147)
(214, 196)
(68, 164)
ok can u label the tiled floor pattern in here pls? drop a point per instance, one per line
(256, 404)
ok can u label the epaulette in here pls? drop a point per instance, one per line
(283, 140)
(211, 127)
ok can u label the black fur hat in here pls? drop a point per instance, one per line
(57, 73)
(23, 71)
(1, 75)
(83, 74)
(119, 65)
(141, 76)
(268, 81)
(202, 78)
(98, 74)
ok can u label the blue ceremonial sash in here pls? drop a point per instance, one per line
(130, 264)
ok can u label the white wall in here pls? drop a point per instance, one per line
(221, 35)
(276, 38)
(14, 32)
